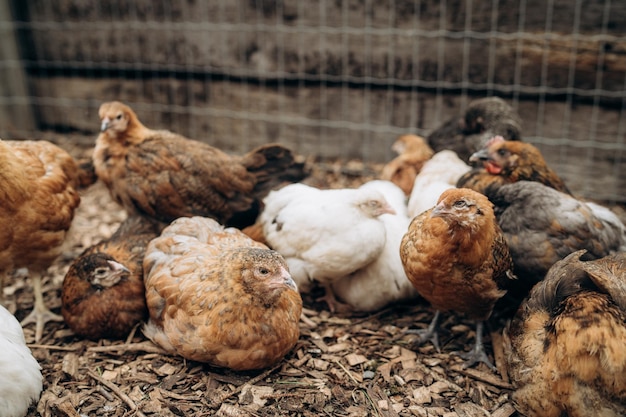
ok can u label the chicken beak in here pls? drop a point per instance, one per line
(438, 211)
(388, 209)
(118, 267)
(481, 155)
(384, 208)
(106, 122)
(291, 283)
(283, 279)
(117, 270)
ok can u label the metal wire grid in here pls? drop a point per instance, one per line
(377, 84)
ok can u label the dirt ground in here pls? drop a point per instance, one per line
(343, 365)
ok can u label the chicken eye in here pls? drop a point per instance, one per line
(119, 116)
(460, 203)
(263, 271)
(100, 271)
(502, 152)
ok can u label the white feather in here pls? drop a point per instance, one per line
(383, 281)
(438, 174)
(322, 234)
(21, 381)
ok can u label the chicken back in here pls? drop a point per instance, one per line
(543, 225)
(413, 152)
(214, 295)
(467, 133)
(439, 173)
(565, 346)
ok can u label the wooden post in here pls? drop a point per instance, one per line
(16, 112)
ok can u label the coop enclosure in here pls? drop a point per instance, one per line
(330, 78)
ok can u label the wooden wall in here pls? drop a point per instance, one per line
(334, 78)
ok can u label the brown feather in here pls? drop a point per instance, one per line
(564, 347)
(216, 296)
(99, 301)
(413, 152)
(506, 162)
(38, 199)
(455, 255)
(165, 176)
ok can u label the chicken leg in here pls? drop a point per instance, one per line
(40, 315)
(430, 333)
(3, 299)
(477, 354)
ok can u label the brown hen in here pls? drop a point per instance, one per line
(505, 162)
(565, 346)
(413, 152)
(163, 175)
(38, 198)
(217, 296)
(456, 257)
(103, 292)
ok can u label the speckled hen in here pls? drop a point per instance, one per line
(565, 346)
(214, 295)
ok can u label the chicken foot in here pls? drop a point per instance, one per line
(477, 354)
(431, 333)
(331, 301)
(40, 315)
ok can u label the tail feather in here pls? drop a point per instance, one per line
(273, 165)
(86, 173)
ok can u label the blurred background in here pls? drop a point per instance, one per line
(333, 79)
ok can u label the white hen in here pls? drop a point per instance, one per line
(383, 281)
(20, 374)
(438, 174)
(324, 235)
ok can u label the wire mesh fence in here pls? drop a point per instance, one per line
(336, 79)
